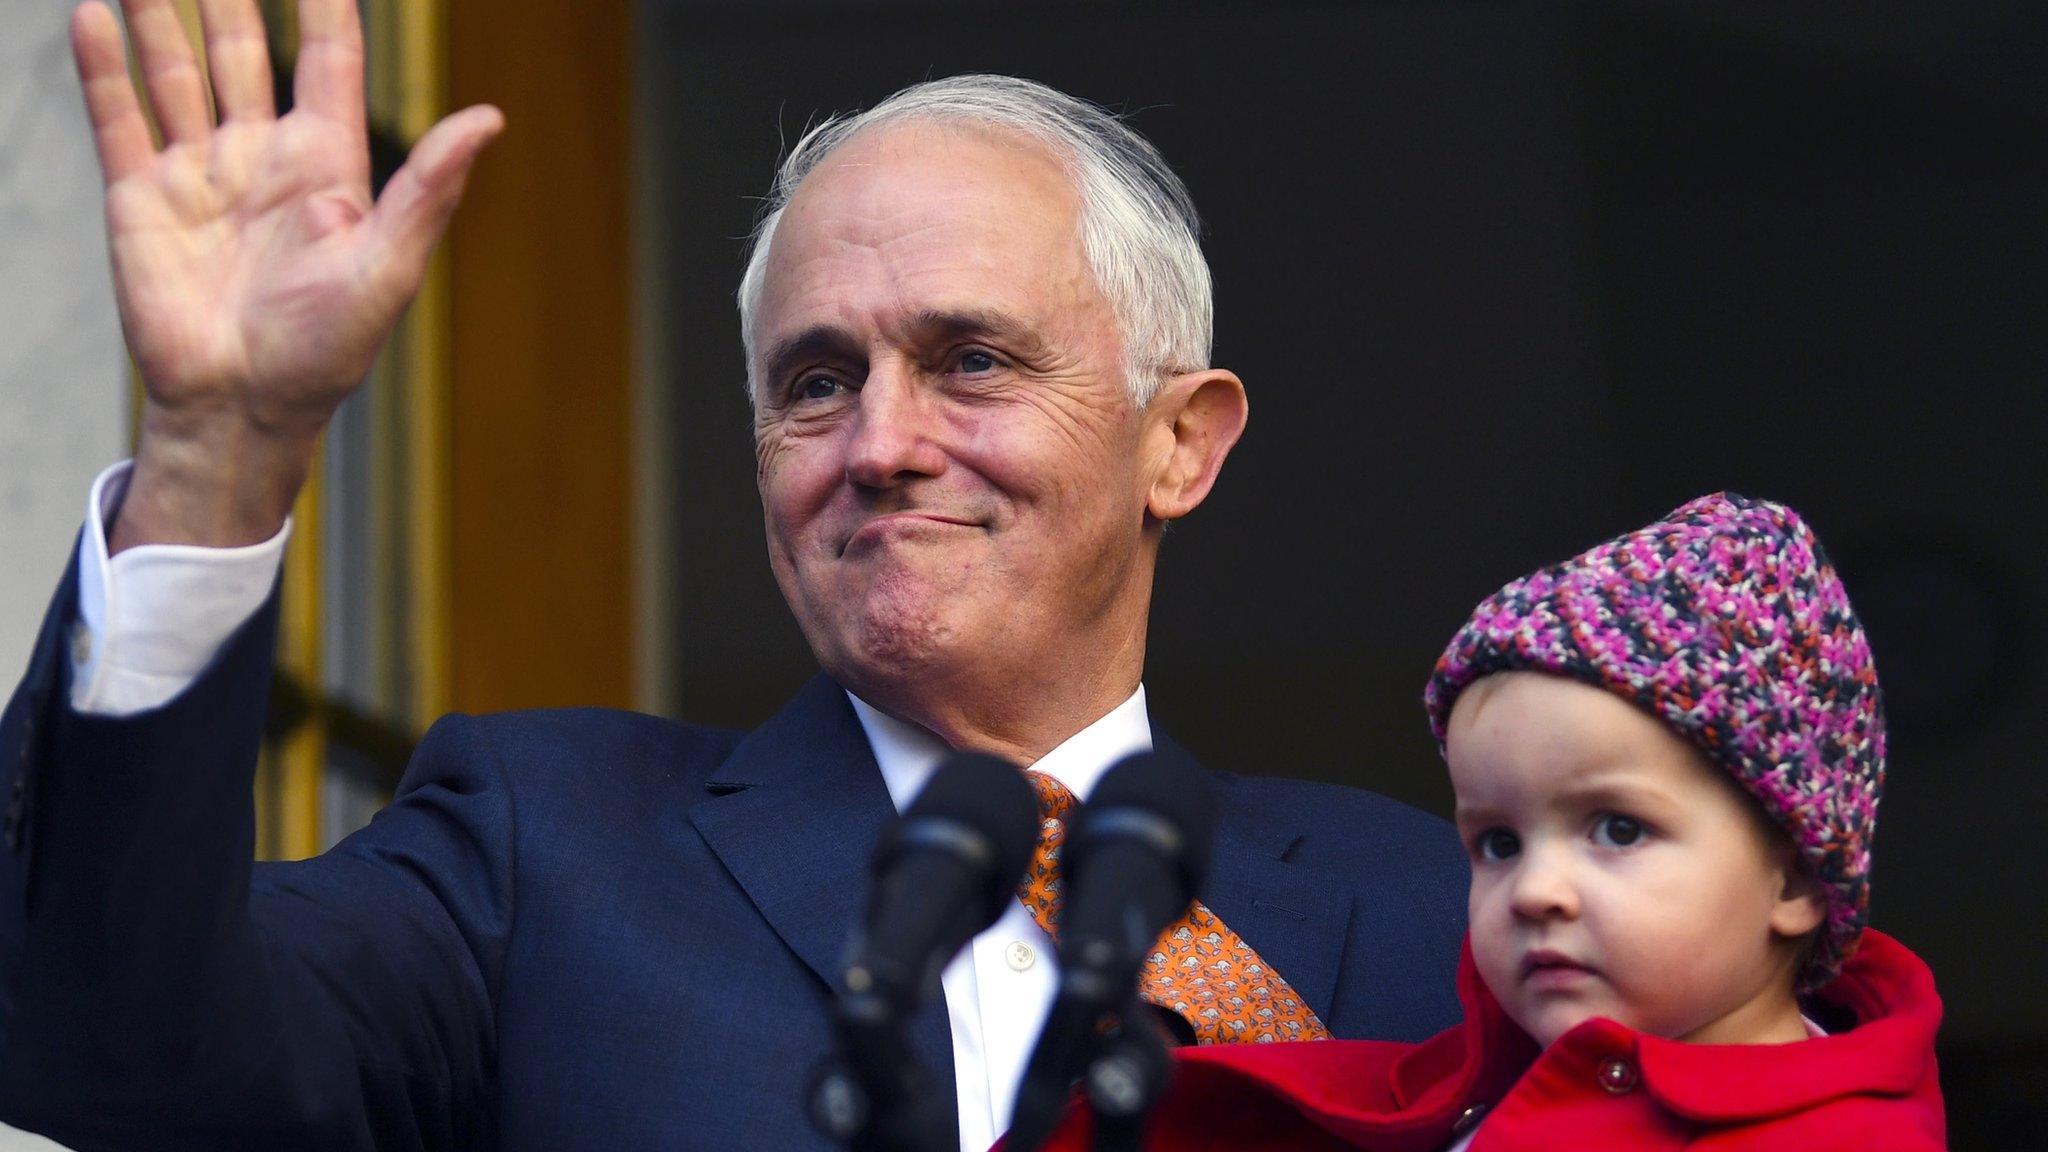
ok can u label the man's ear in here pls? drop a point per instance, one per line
(1800, 908)
(1192, 424)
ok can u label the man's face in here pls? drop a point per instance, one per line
(1615, 872)
(949, 467)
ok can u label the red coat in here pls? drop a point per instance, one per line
(1599, 1086)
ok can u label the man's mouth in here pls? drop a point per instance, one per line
(889, 525)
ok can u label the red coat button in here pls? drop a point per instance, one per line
(1617, 1075)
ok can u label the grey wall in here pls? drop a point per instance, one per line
(63, 398)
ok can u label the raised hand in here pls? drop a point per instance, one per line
(256, 279)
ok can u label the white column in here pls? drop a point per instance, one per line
(63, 394)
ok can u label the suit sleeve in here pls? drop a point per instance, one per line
(158, 990)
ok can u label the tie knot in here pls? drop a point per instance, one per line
(1055, 802)
(1042, 890)
(1199, 970)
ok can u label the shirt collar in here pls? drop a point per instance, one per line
(909, 754)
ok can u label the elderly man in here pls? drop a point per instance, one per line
(977, 321)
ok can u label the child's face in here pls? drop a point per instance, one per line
(1616, 873)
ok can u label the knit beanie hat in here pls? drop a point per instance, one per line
(1726, 621)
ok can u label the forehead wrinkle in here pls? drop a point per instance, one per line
(879, 232)
(868, 208)
(827, 259)
(925, 298)
(818, 340)
(1019, 334)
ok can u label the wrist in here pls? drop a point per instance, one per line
(211, 479)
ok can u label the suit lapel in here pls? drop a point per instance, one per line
(796, 813)
(1295, 919)
(800, 805)
(799, 808)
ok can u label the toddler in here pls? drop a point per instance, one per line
(1667, 754)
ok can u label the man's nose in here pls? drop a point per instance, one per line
(895, 430)
(1542, 886)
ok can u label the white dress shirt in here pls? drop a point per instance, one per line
(1000, 987)
(152, 618)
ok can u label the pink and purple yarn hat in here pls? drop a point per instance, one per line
(1726, 621)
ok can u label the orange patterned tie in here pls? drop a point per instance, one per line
(1199, 970)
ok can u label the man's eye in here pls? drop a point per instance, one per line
(975, 363)
(1616, 831)
(817, 388)
(1497, 844)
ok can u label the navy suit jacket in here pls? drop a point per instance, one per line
(575, 929)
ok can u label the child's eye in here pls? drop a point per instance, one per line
(1617, 831)
(1497, 844)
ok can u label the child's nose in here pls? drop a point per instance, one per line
(1542, 887)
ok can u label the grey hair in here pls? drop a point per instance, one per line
(1139, 229)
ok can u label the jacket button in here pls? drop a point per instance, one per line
(1468, 1120)
(1617, 1075)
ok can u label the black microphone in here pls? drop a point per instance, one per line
(1138, 851)
(943, 872)
(946, 870)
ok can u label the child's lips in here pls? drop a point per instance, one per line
(1545, 968)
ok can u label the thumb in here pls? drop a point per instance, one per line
(420, 198)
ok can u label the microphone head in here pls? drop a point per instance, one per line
(1167, 802)
(977, 807)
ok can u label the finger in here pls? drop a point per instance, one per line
(411, 216)
(177, 90)
(118, 128)
(329, 78)
(239, 58)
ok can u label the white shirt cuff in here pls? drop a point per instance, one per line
(151, 619)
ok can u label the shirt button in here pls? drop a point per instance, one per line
(81, 643)
(1020, 955)
(1617, 1075)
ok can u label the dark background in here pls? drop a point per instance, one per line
(1504, 280)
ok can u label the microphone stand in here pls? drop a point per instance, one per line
(1126, 1077)
(874, 1096)
(1066, 1045)
(1124, 1068)
(945, 869)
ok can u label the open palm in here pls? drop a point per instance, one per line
(255, 278)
